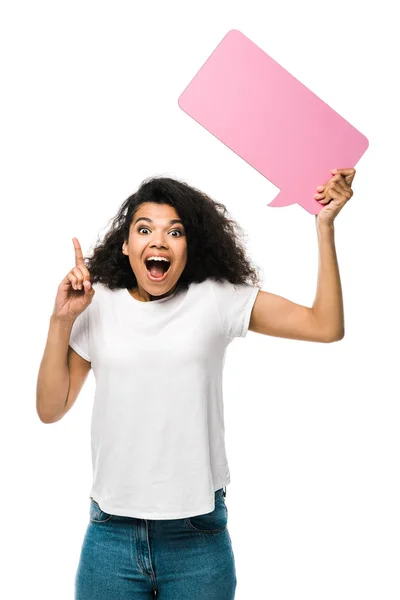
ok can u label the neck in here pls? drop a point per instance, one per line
(147, 297)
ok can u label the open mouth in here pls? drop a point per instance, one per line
(157, 270)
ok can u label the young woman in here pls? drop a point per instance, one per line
(152, 312)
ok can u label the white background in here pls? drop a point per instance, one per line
(89, 108)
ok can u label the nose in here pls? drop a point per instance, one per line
(159, 240)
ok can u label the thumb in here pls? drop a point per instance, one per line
(88, 287)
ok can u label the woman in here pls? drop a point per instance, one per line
(152, 312)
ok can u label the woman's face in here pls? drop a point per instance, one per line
(152, 234)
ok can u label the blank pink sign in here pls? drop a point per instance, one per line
(271, 120)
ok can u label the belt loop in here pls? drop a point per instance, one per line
(224, 491)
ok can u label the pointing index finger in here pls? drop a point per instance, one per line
(78, 252)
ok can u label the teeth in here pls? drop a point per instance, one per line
(157, 258)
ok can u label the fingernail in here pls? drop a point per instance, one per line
(334, 170)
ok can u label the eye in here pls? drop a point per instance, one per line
(174, 230)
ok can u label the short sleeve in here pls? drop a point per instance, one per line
(234, 304)
(79, 339)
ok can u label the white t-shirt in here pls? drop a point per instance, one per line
(157, 432)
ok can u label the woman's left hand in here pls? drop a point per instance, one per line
(334, 194)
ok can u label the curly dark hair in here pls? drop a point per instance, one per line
(214, 247)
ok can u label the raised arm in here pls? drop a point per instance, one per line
(324, 321)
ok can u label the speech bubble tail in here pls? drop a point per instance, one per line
(282, 199)
(286, 198)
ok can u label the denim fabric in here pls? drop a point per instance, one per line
(125, 558)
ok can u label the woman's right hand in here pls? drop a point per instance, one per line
(75, 292)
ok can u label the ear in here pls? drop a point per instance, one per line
(124, 249)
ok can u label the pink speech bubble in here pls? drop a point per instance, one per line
(271, 120)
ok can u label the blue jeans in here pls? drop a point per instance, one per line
(126, 558)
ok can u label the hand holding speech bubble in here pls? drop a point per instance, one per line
(271, 120)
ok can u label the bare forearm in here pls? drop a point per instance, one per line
(328, 303)
(53, 378)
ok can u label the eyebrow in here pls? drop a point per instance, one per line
(150, 221)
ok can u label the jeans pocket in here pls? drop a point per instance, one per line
(212, 522)
(96, 514)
